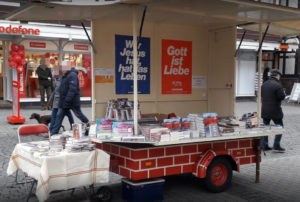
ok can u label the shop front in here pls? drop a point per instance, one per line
(47, 42)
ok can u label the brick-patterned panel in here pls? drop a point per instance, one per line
(135, 165)
(195, 158)
(219, 146)
(189, 149)
(187, 168)
(173, 150)
(114, 149)
(244, 143)
(106, 147)
(124, 172)
(250, 152)
(156, 173)
(238, 152)
(156, 152)
(232, 144)
(146, 164)
(139, 175)
(124, 152)
(255, 142)
(121, 161)
(173, 170)
(182, 159)
(139, 154)
(245, 160)
(164, 161)
(98, 145)
(253, 159)
(204, 147)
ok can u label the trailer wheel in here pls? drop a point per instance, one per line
(103, 194)
(218, 175)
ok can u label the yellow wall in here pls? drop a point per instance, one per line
(103, 38)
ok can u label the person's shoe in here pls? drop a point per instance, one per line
(279, 149)
(267, 148)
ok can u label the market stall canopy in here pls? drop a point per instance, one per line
(213, 13)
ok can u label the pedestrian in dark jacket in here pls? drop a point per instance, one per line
(54, 99)
(69, 93)
(271, 95)
(45, 81)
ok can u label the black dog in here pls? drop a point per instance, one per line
(46, 119)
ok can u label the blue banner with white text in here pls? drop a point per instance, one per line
(124, 65)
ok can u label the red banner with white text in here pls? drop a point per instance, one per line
(176, 67)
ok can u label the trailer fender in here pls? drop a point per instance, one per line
(208, 157)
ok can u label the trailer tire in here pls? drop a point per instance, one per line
(103, 194)
(218, 175)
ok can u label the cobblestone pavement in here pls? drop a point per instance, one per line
(280, 176)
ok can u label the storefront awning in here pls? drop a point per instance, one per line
(213, 13)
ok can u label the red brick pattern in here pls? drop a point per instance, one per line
(156, 152)
(173, 150)
(138, 164)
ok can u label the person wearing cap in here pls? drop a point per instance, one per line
(271, 96)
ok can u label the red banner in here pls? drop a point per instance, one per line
(37, 44)
(21, 79)
(176, 67)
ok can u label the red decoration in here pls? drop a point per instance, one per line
(13, 53)
(47, 55)
(10, 59)
(21, 52)
(20, 69)
(21, 47)
(14, 47)
(17, 58)
(13, 64)
(23, 61)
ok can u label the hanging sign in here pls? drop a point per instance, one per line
(124, 65)
(176, 67)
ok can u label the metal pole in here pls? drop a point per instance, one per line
(263, 38)
(259, 78)
(237, 50)
(60, 54)
(88, 36)
(258, 152)
(93, 83)
(135, 67)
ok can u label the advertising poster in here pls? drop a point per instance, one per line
(104, 75)
(124, 65)
(176, 67)
(85, 76)
(15, 98)
(21, 79)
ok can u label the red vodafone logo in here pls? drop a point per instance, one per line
(19, 30)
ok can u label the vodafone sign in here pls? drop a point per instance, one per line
(19, 30)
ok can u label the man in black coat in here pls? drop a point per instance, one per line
(271, 96)
(45, 81)
(69, 99)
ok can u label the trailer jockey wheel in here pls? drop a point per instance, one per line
(218, 175)
(104, 194)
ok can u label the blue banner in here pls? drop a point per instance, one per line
(124, 65)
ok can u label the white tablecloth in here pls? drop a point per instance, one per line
(61, 171)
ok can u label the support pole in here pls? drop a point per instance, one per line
(135, 67)
(259, 77)
(258, 154)
(241, 41)
(88, 36)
